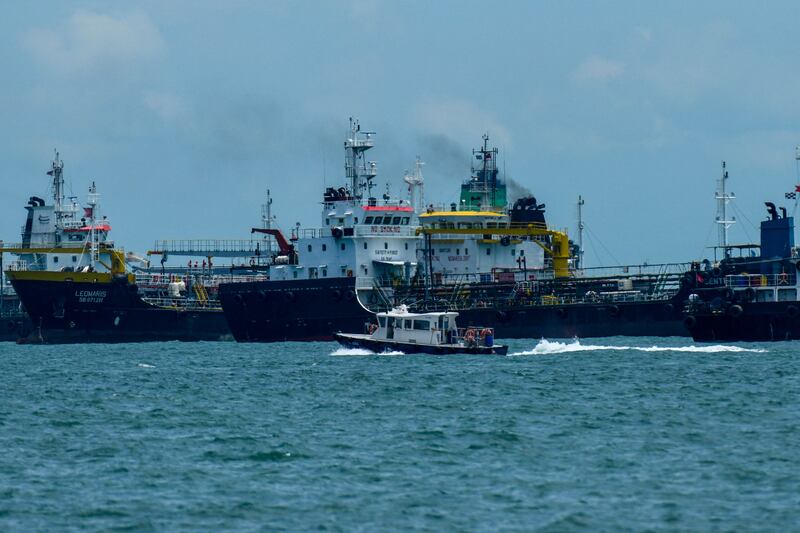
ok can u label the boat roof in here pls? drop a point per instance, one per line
(402, 311)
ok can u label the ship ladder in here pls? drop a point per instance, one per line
(200, 292)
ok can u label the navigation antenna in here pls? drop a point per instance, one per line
(484, 175)
(580, 232)
(723, 198)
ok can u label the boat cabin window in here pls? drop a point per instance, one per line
(466, 251)
(444, 322)
(324, 247)
(55, 259)
(324, 272)
(327, 221)
(369, 220)
(513, 252)
(342, 246)
(355, 220)
(365, 245)
(407, 324)
(386, 246)
(396, 221)
(378, 220)
(522, 252)
(406, 246)
(488, 251)
(309, 247)
(341, 221)
(423, 325)
(382, 321)
(405, 221)
(74, 258)
(786, 295)
(391, 322)
(764, 295)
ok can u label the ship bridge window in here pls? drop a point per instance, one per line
(396, 221)
(369, 220)
(405, 221)
(378, 220)
(464, 225)
(422, 325)
(341, 221)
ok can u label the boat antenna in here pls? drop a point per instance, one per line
(723, 199)
(797, 177)
(93, 197)
(266, 219)
(416, 182)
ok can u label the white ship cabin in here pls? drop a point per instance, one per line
(63, 236)
(420, 328)
(490, 256)
(370, 241)
(360, 236)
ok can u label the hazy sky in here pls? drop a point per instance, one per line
(186, 112)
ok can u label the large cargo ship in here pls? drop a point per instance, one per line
(319, 278)
(76, 285)
(751, 297)
(491, 264)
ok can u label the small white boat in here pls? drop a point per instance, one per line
(435, 333)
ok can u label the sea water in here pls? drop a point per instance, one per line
(603, 434)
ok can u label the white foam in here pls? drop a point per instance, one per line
(545, 347)
(362, 351)
(145, 365)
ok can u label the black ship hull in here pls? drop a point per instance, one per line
(749, 322)
(78, 311)
(271, 311)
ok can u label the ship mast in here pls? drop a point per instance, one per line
(723, 198)
(580, 231)
(266, 219)
(57, 171)
(92, 201)
(485, 176)
(358, 170)
(415, 181)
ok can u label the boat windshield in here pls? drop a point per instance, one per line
(382, 321)
(423, 325)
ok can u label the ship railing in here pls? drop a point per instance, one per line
(740, 281)
(213, 247)
(632, 271)
(182, 303)
(191, 277)
(53, 246)
(18, 266)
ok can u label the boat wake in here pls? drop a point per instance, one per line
(362, 351)
(545, 347)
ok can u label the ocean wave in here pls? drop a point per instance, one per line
(545, 347)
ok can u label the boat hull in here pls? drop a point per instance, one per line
(272, 311)
(78, 311)
(379, 346)
(757, 322)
